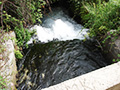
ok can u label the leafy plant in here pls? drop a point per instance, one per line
(101, 17)
(118, 58)
(18, 54)
(23, 35)
(17, 15)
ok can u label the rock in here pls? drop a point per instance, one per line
(112, 48)
(8, 68)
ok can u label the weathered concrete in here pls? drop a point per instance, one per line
(102, 79)
(8, 69)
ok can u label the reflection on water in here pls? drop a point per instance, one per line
(50, 63)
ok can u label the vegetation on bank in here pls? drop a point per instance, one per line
(17, 15)
(102, 17)
(103, 20)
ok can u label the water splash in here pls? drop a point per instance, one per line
(59, 26)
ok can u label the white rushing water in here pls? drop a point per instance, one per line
(59, 26)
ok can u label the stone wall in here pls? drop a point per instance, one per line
(106, 78)
(8, 69)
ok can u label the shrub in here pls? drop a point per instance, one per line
(18, 14)
(101, 17)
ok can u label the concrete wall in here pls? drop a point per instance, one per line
(107, 78)
(8, 69)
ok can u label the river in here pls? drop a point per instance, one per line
(63, 50)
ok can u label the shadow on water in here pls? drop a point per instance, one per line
(56, 61)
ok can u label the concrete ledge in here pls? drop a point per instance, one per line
(107, 78)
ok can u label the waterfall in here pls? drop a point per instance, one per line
(59, 26)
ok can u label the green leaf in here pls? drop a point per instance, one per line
(0, 3)
(118, 55)
(118, 60)
(114, 60)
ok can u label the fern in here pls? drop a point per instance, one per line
(101, 14)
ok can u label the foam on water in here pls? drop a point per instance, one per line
(59, 26)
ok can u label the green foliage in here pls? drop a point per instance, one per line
(0, 3)
(18, 54)
(75, 6)
(101, 17)
(118, 58)
(36, 12)
(23, 35)
(18, 14)
(2, 83)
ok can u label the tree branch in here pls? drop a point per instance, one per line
(12, 4)
(2, 14)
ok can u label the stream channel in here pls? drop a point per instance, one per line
(63, 51)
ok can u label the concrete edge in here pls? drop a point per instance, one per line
(106, 78)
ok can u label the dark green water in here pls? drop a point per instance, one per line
(54, 62)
